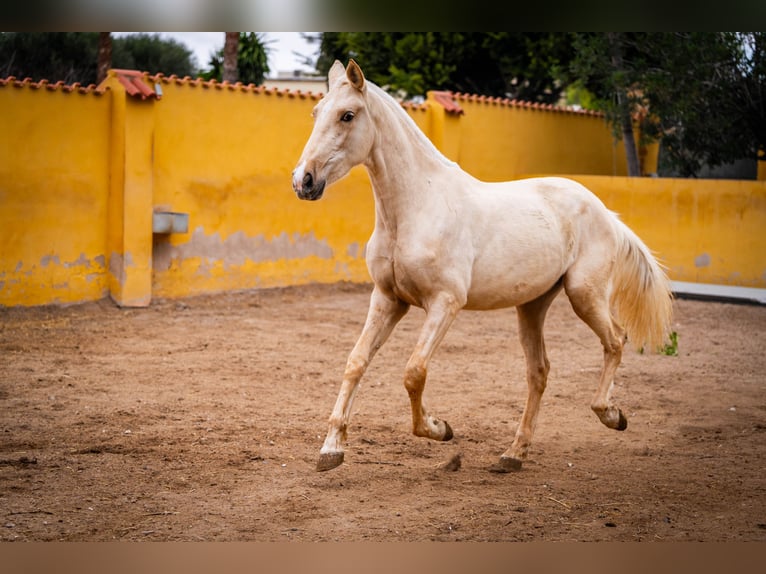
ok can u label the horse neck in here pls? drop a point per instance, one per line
(401, 161)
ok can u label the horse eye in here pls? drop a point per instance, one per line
(347, 117)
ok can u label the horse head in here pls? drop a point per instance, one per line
(343, 133)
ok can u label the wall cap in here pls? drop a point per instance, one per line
(62, 86)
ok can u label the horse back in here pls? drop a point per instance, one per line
(527, 234)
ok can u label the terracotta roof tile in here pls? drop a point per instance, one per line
(415, 107)
(134, 83)
(448, 102)
(11, 81)
(238, 86)
(519, 104)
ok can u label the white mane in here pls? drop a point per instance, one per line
(397, 109)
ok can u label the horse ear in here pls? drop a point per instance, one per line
(355, 75)
(335, 72)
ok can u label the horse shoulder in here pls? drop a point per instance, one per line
(379, 255)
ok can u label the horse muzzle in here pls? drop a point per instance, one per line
(306, 187)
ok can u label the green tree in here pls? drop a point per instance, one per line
(703, 91)
(520, 65)
(750, 82)
(154, 54)
(67, 56)
(606, 64)
(74, 56)
(506, 64)
(252, 60)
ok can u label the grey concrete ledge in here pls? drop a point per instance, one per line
(727, 293)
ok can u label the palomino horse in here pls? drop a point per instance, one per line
(445, 241)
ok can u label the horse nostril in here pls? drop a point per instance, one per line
(308, 181)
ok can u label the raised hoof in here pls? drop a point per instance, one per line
(506, 464)
(622, 424)
(329, 460)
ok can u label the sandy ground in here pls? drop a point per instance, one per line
(202, 419)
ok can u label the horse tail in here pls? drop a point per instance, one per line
(641, 294)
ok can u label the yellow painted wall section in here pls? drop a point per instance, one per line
(501, 140)
(82, 171)
(133, 262)
(704, 231)
(230, 170)
(54, 175)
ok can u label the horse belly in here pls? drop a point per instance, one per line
(522, 247)
(500, 292)
(510, 275)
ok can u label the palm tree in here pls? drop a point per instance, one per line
(230, 52)
(104, 55)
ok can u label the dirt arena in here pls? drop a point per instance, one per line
(202, 419)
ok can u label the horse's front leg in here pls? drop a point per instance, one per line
(439, 316)
(383, 315)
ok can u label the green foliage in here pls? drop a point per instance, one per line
(252, 60)
(576, 94)
(67, 56)
(151, 53)
(671, 349)
(701, 94)
(420, 61)
(506, 64)
(705, 92)
(72, 56)
(694, 100)
(529, 62)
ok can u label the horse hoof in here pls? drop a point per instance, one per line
(329, 460)
(622, 424)
(506, 464)
(612, 418)
(447, 432)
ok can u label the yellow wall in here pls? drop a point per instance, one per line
(231, 172)
(54, 175)
(704, 231)
(82, 171)
(502, 140)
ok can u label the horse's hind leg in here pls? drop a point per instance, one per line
(439, 316)
(591, 303)
(531, 317)
(383, 315)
